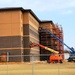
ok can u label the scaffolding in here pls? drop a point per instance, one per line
(47, 40)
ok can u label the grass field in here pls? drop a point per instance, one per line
(37, 69)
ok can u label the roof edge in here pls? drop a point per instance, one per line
(26, 10)
(47, 21)
(22, 9)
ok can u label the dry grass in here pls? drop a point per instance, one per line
(37, 69)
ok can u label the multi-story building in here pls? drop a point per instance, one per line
(48, 40)
(18, 28)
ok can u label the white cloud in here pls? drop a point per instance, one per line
(67, 12)
(49, 5)
(39, 5)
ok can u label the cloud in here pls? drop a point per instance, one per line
(49, 5)
(67, 12)
(39, 5)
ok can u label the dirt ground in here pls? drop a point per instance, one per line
(38, 68)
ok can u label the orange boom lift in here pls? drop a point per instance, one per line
(55, 58)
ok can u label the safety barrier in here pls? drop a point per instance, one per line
(34, 65)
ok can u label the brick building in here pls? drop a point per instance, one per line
(18, 27)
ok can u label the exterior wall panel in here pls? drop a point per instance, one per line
(26, 42)
(25, 18)
(10, 42)
(48, 26)
(13, 53)
(10, 23)
(27, 57)
(31, 34)
(10, 17)
(25, 29)
(33, 22)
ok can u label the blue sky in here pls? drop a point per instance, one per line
(59, 11)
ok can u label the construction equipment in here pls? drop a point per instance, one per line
(53, 58)
(72, 55)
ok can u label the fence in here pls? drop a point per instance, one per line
(34, 65)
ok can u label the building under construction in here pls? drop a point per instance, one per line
(48, 40)
(18, 27)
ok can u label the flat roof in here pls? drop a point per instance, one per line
(46, 21)
(26, 10)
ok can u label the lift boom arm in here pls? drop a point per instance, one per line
(72, 50)
(46, 48)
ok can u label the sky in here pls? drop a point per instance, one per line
(59, 11)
